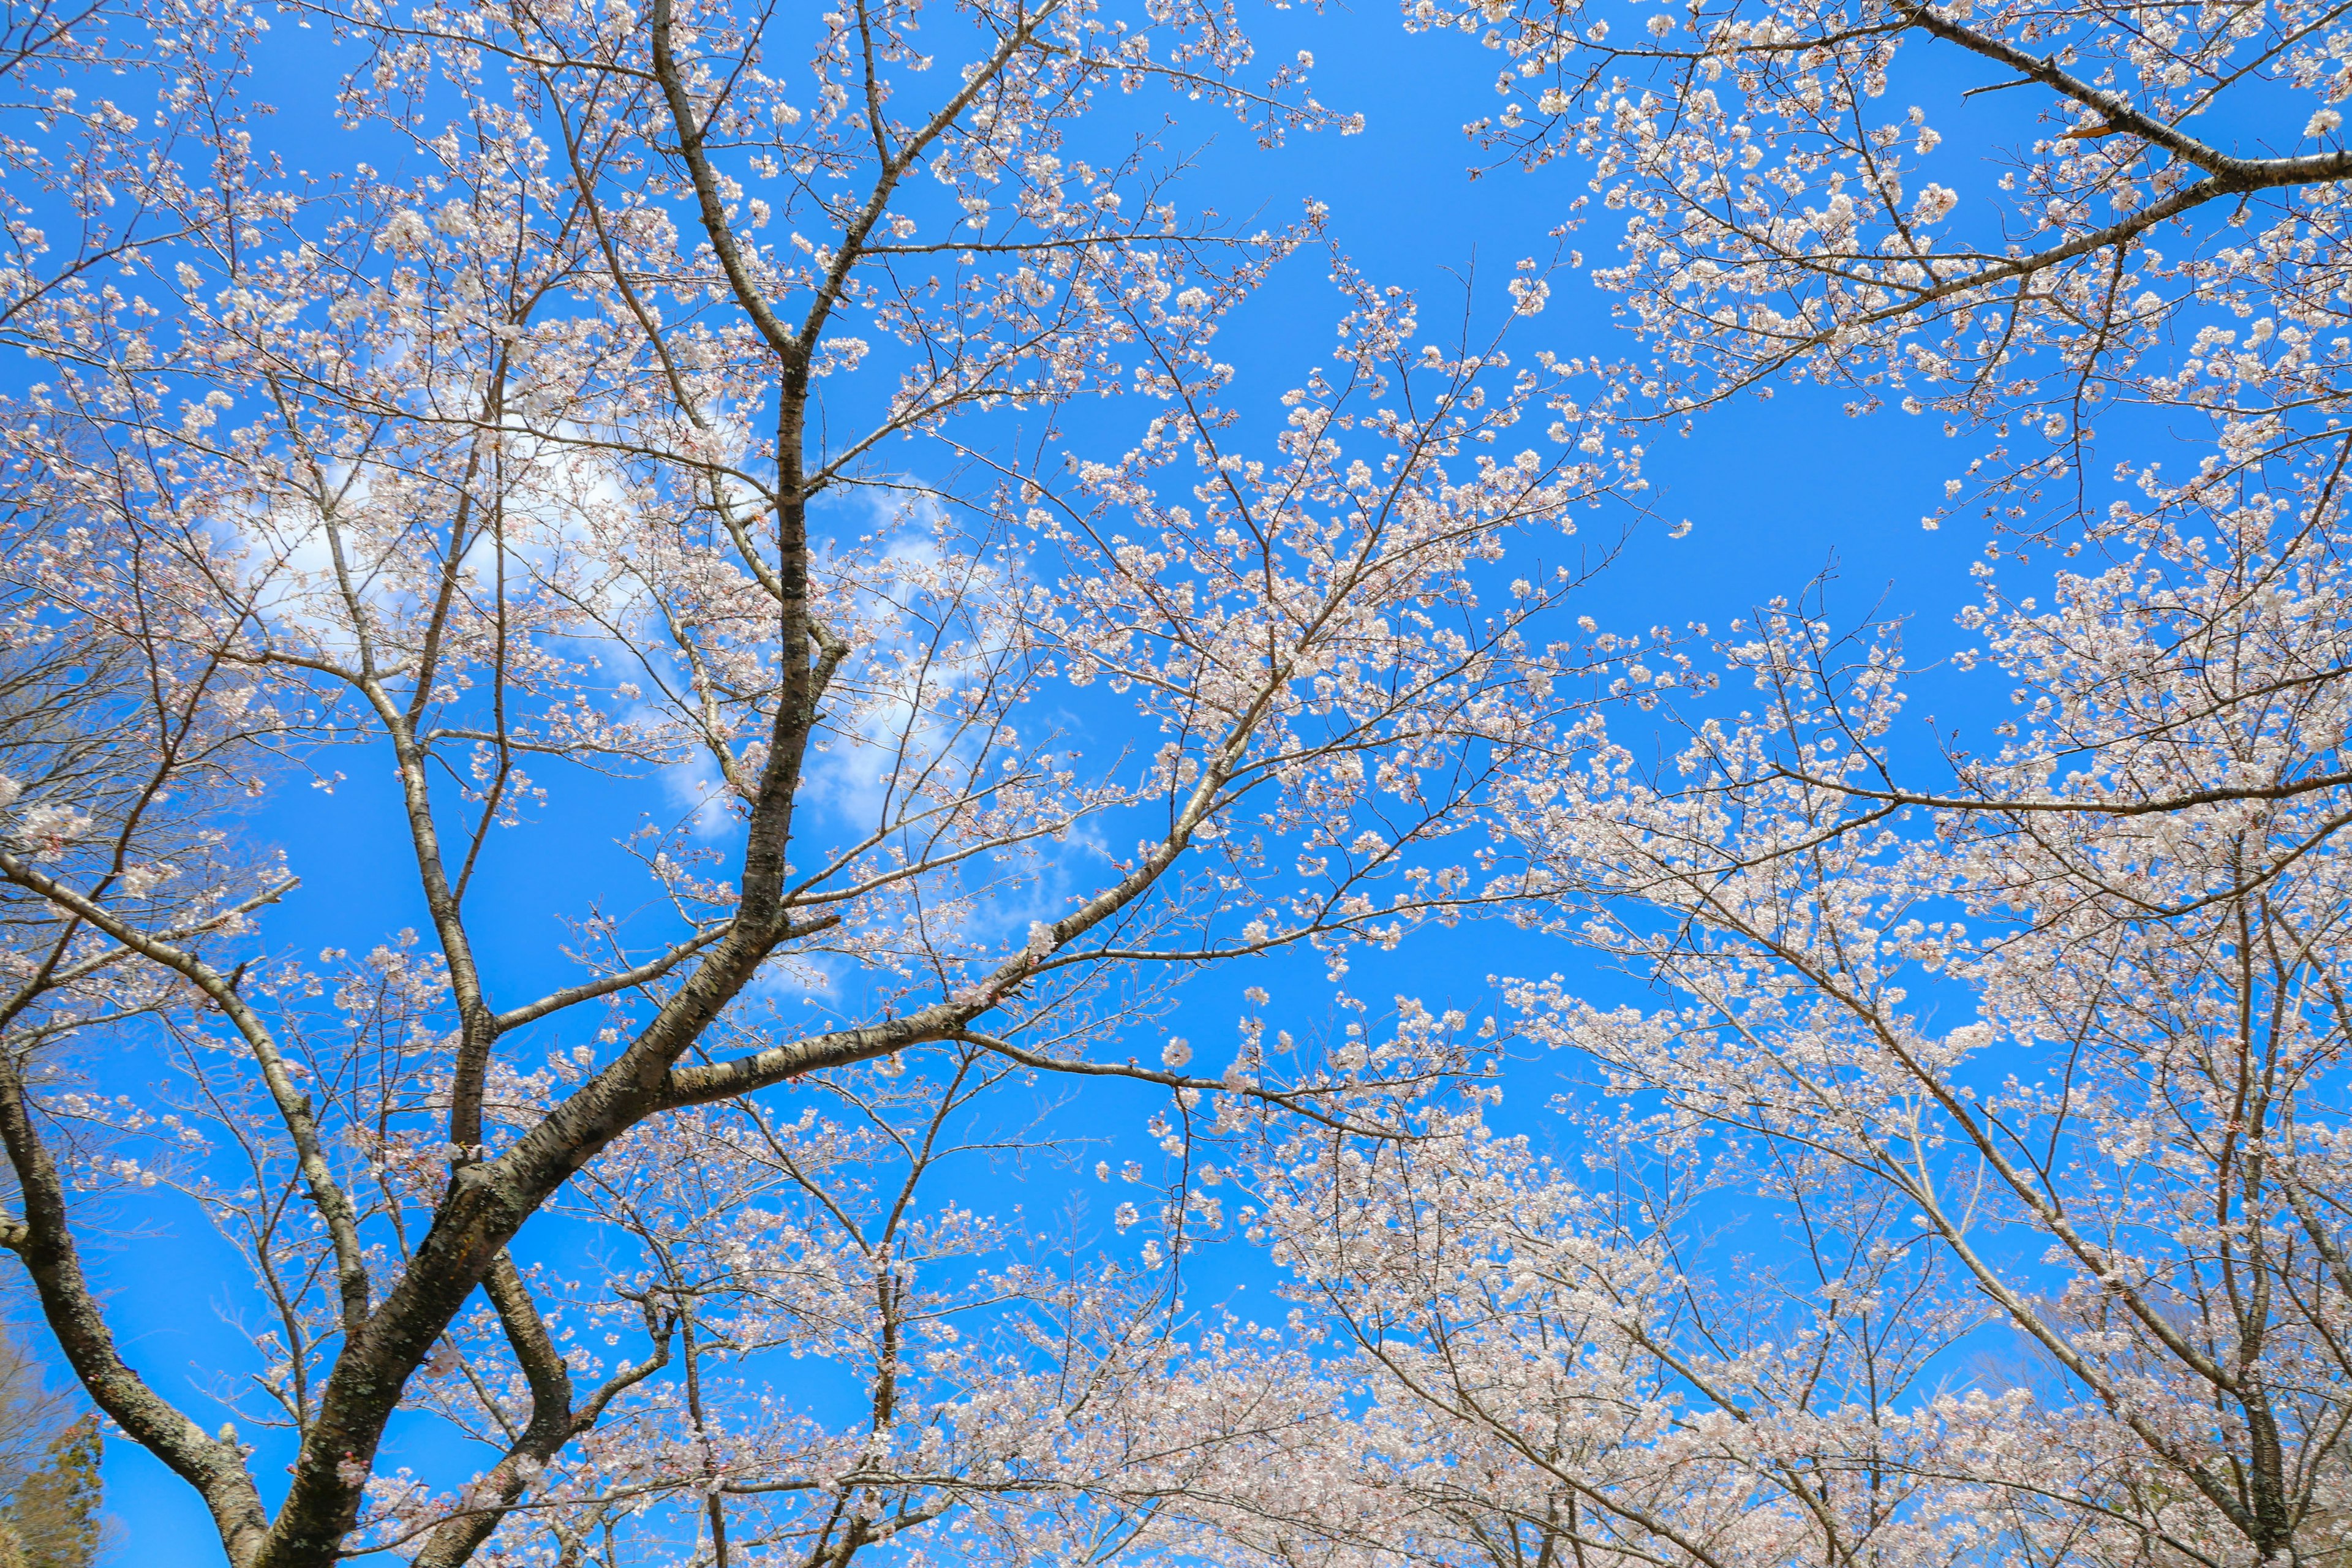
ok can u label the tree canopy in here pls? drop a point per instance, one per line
(833, 614)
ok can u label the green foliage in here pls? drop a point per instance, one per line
(55, 1520)
(51, 1493)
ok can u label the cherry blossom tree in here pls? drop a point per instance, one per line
(1968, 1186)
(1973, 1191)
(2123, 218)
(1019, 1397)
(1554, 1369)
(694, 407)
(2049, 1065)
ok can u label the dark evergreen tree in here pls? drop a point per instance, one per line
(56, 1517)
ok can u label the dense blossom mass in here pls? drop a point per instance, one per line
(773, 539)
